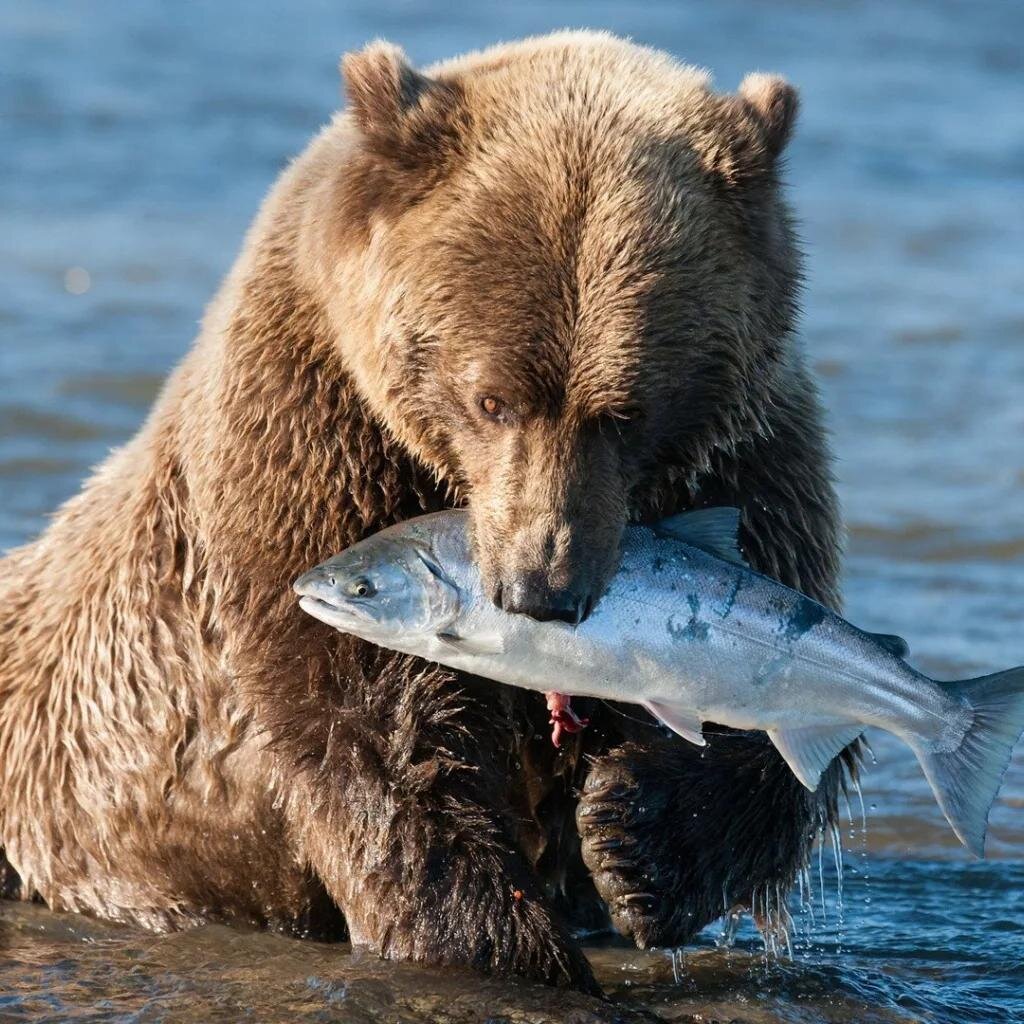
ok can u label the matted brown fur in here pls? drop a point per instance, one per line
(580, 228)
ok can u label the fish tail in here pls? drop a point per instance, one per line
(965, 781)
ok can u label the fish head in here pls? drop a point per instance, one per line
(392, 588)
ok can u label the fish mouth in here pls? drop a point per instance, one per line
(325, 611)
(308, 602)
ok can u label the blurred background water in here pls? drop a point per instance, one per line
(136, 140)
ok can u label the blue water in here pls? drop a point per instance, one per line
(136, 140)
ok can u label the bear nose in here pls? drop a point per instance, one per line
(530, 595)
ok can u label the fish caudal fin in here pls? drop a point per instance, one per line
(965, 781)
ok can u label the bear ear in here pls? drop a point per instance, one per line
(774, 103)
(403, 115)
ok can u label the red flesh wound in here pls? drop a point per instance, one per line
(563, 718)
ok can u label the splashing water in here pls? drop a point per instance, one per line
(836, 841)
(861, 870)
(676, 958)
(784, 933)
(770, 911)
(731, 921)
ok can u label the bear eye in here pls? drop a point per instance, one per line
(492, 407)
(362, 587)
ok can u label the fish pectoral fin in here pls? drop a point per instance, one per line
(714, 530)
(680, 720)
(484, 644)
(810, 750)
(892, 643)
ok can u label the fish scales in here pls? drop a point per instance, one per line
(670, 628)
(691, 633)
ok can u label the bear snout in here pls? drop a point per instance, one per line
(531, 594)
(548, 511)
(562, 581)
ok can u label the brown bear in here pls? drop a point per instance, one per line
(554, 280)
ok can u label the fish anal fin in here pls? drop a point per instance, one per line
(894, 644)
(714, 530)
(811, 749)
(680, 720)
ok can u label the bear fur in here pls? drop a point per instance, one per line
(583, 230)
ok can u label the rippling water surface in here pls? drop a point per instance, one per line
(135, 142)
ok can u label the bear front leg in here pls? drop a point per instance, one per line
(443, 885)
(397, 798)
(675, 835)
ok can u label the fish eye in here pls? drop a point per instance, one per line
(362, 587)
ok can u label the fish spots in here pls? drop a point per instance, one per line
(694, 629)
(730, 598)
(803, 616)
(689, 632)
(658, 564)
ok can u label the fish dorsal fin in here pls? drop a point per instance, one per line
(894, 644)
(810, 750)
(679, 720)
(714, 530)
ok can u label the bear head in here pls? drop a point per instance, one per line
(559, 270)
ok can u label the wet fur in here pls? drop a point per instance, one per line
(178, 743)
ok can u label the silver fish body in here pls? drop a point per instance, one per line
(693, 635)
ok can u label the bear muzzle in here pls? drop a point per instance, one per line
(531, 594)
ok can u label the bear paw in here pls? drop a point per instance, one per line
(675, 836)
(620, 817)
